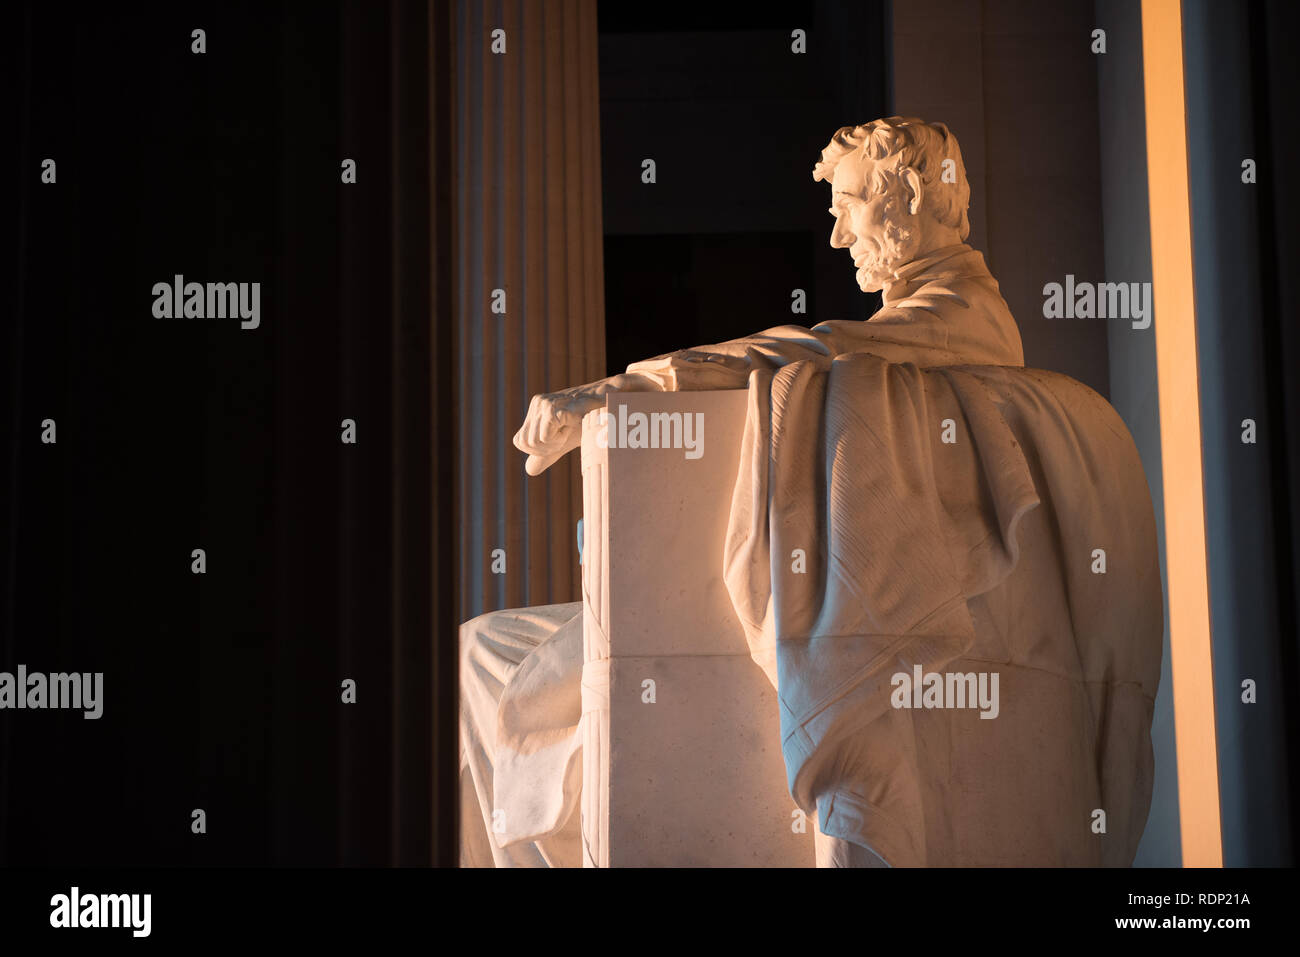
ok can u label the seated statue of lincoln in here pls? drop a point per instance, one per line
(971, 552)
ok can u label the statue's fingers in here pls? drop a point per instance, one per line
(531, 436)
(542, 460)
(555, 423)
(526, 439)
(537, 464)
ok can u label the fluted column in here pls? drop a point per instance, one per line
(529, 223)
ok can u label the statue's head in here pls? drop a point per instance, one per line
(898, 190)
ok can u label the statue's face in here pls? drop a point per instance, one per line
(875, 227)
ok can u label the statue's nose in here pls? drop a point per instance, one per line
(840, 237)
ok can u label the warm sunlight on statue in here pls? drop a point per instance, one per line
(951, 503)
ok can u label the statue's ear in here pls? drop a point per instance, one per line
(914, 186)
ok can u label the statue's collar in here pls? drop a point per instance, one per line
(909, 277)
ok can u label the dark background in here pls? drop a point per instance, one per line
(735, 124)
(222, 691)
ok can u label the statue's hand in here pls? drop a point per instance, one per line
(554, 426)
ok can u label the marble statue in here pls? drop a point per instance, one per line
(967, 668)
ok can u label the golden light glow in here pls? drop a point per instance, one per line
(1180, 433)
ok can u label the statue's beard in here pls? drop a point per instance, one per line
(898, 247)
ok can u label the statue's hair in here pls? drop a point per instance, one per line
(895, 143)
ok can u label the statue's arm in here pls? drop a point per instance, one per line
(727, 365)
(553, 426)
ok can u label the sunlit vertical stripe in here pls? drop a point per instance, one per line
(1180, 433)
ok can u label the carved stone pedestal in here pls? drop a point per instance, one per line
(681, 746)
